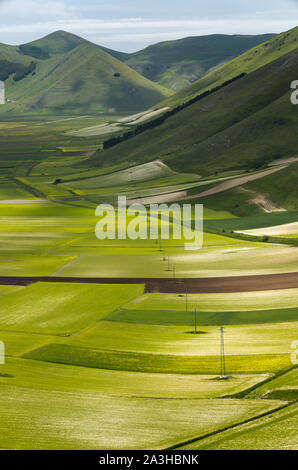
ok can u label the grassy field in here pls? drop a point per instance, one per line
(240, 339)
(235, 302)
(61, 309)
(282, 384)
(158, 363)
(70, 419)
(273, 432)
(131, 357)
(179, 317)
(46, 375)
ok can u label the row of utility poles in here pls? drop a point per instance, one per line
(222, 340)
(222, 331)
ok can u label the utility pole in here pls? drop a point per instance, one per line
(186, 301)
(222, 354)
(169, 267)
(196, 326)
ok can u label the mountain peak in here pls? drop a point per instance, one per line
(58, 42)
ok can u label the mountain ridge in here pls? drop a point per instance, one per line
(258, 128)
(98, 83)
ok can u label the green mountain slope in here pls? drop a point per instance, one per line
(246, 63)
(63, 74)
(245, 125)
(177, 64)
(57, 43)
(281, 187)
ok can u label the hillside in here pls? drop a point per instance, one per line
(245, 125)
(177, 64)
(246, 63)
(63, 74)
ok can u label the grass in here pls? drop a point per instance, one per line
(71, 419)
(66, 232)
(10, 190)
(17, 343)
(180, 340)
(6, 290)
(148, 171)
(158, 363)
(176, 64)
(282, 383)
(274, 185)
(29, 264)
(60, 309)
(61, 84)
(273, 432)
(213, 139)
(132, 374)
(235, 302)
(145, 260)
(248, 62)
(46, 376)
(254, 222)
(178, 317)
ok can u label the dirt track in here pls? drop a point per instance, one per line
(234, 183)
(195, 286)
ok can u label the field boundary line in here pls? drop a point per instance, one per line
(246, 392)
(233, 426)
(35, 192)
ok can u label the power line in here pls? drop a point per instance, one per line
(196, 325)
(222, 354)
(186, 301)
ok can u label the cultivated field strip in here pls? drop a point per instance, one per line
(194, 286)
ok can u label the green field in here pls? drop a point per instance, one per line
(60, 309)
(158, 363)
(178, 317)
(273, 432)
(125, 351)
(72, 419)
(235, 302)
(43, 375)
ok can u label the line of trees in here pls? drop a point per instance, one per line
(159, 120)
(26, 71)
(33, 51)
(21, 71)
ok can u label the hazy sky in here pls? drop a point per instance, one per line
(129, 25)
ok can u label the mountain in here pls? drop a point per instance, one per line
(62, 74)
(247, 62)
(177, 64)
(244, 125)
(56, 43)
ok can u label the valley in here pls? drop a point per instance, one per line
(120, 338)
